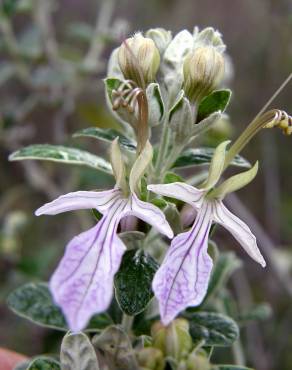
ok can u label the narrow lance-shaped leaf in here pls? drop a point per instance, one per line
(197, 156)
(107, 135)
(58, 153)
(78, 353)
(133, 281)
(34, 302)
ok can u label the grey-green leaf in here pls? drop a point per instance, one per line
(155, 104)
(34, 302)
(44, 363)
(216, 329)
(133, 281)
(107, 135)
(78, 353)
(63, 154)
(198, 156)
(216, 101)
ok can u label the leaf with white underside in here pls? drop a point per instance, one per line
(198, 156)
(78, 353)
(62, 154)
(107, 135)
(34, 302)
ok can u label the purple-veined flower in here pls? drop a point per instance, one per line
(182, 279)
(82, 284)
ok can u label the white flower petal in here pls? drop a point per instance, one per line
(101, 200)
(150, 214)
(239, 230)
(181, 191)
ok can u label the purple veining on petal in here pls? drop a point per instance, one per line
(80, 200)
(82, 284)
(182, 279)
(239, 230)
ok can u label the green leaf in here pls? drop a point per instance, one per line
(78, 353)
(171, 177)
(216, 329)
(133, 281)
(107, 135)
(216, 101)
(63, 154)
(198, 156)
(112, 84)
(227, 263)
(34, 302)
(44, 363)
(230, 367)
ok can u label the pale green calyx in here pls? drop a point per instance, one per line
(161, 37)
(216, 166)
(140, 166)
(209, 37)
(234, 183)
(118, 166)
(139, 59)
(203, 71)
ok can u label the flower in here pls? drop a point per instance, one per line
(182, 279)
(82, 284)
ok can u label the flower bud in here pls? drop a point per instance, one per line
(161, 37)
(203, 70)
(173, 340)
(150, 358)
(139, 59)
(197, 362)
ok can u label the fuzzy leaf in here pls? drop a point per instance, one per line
(197, 156)
(155, 104)
(58, 153)
(216, 101)
(44, 363)
(216, 329)
(34, 302)
(133, 281)
(78, 353)
(107, 135)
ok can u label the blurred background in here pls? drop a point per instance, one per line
(53, 57)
